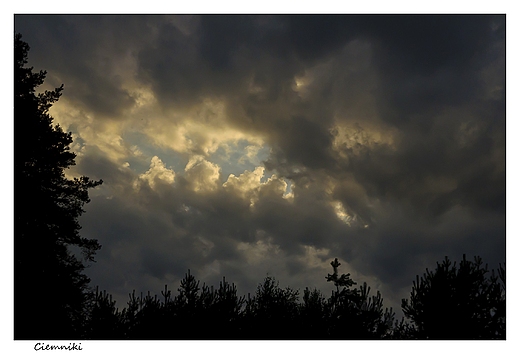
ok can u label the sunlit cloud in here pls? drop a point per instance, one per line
(354, 138)
(341, 212)
(246, 184)
(199, 130)
(202, 175)
(157, 172)
(251, 185)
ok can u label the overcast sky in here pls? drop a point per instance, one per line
(242, 146)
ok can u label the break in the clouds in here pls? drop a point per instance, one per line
(241, 146)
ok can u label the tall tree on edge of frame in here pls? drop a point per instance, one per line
(464, 302)
(50, 290)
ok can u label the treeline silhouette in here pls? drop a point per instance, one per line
(203, 312)
(53, 300)
(449, 303)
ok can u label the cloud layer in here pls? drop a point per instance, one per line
(244, 145)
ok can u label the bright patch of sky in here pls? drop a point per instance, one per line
(235, 158)
(232, 157)
(144, 151)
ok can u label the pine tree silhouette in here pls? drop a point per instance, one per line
(49, 284)
(463, 302)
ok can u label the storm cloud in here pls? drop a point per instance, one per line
(241, 146)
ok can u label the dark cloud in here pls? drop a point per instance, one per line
(84, 49)
(430, 62)
(428, 43)
(389, 129)
(305, 142)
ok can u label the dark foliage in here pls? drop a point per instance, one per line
(272, 313)
(50, 288)
(464, 302)
(202, 312)
(195, 313)
(353, 313)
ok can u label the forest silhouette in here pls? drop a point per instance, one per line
(53, 299)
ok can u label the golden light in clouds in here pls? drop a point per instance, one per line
(156, 172)
(203, 176)
(199, 130)
(249, 185)
(341, 213)
(353, 137)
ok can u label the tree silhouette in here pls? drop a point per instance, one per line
(48, 279)
(272, 313)
(105, 321)
(188, 307)
(223, 310)
(202, 312)
(463, 296)
(463, 302)
(313, 315)
(354, 314)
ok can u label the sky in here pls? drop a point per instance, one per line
(246, 146)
